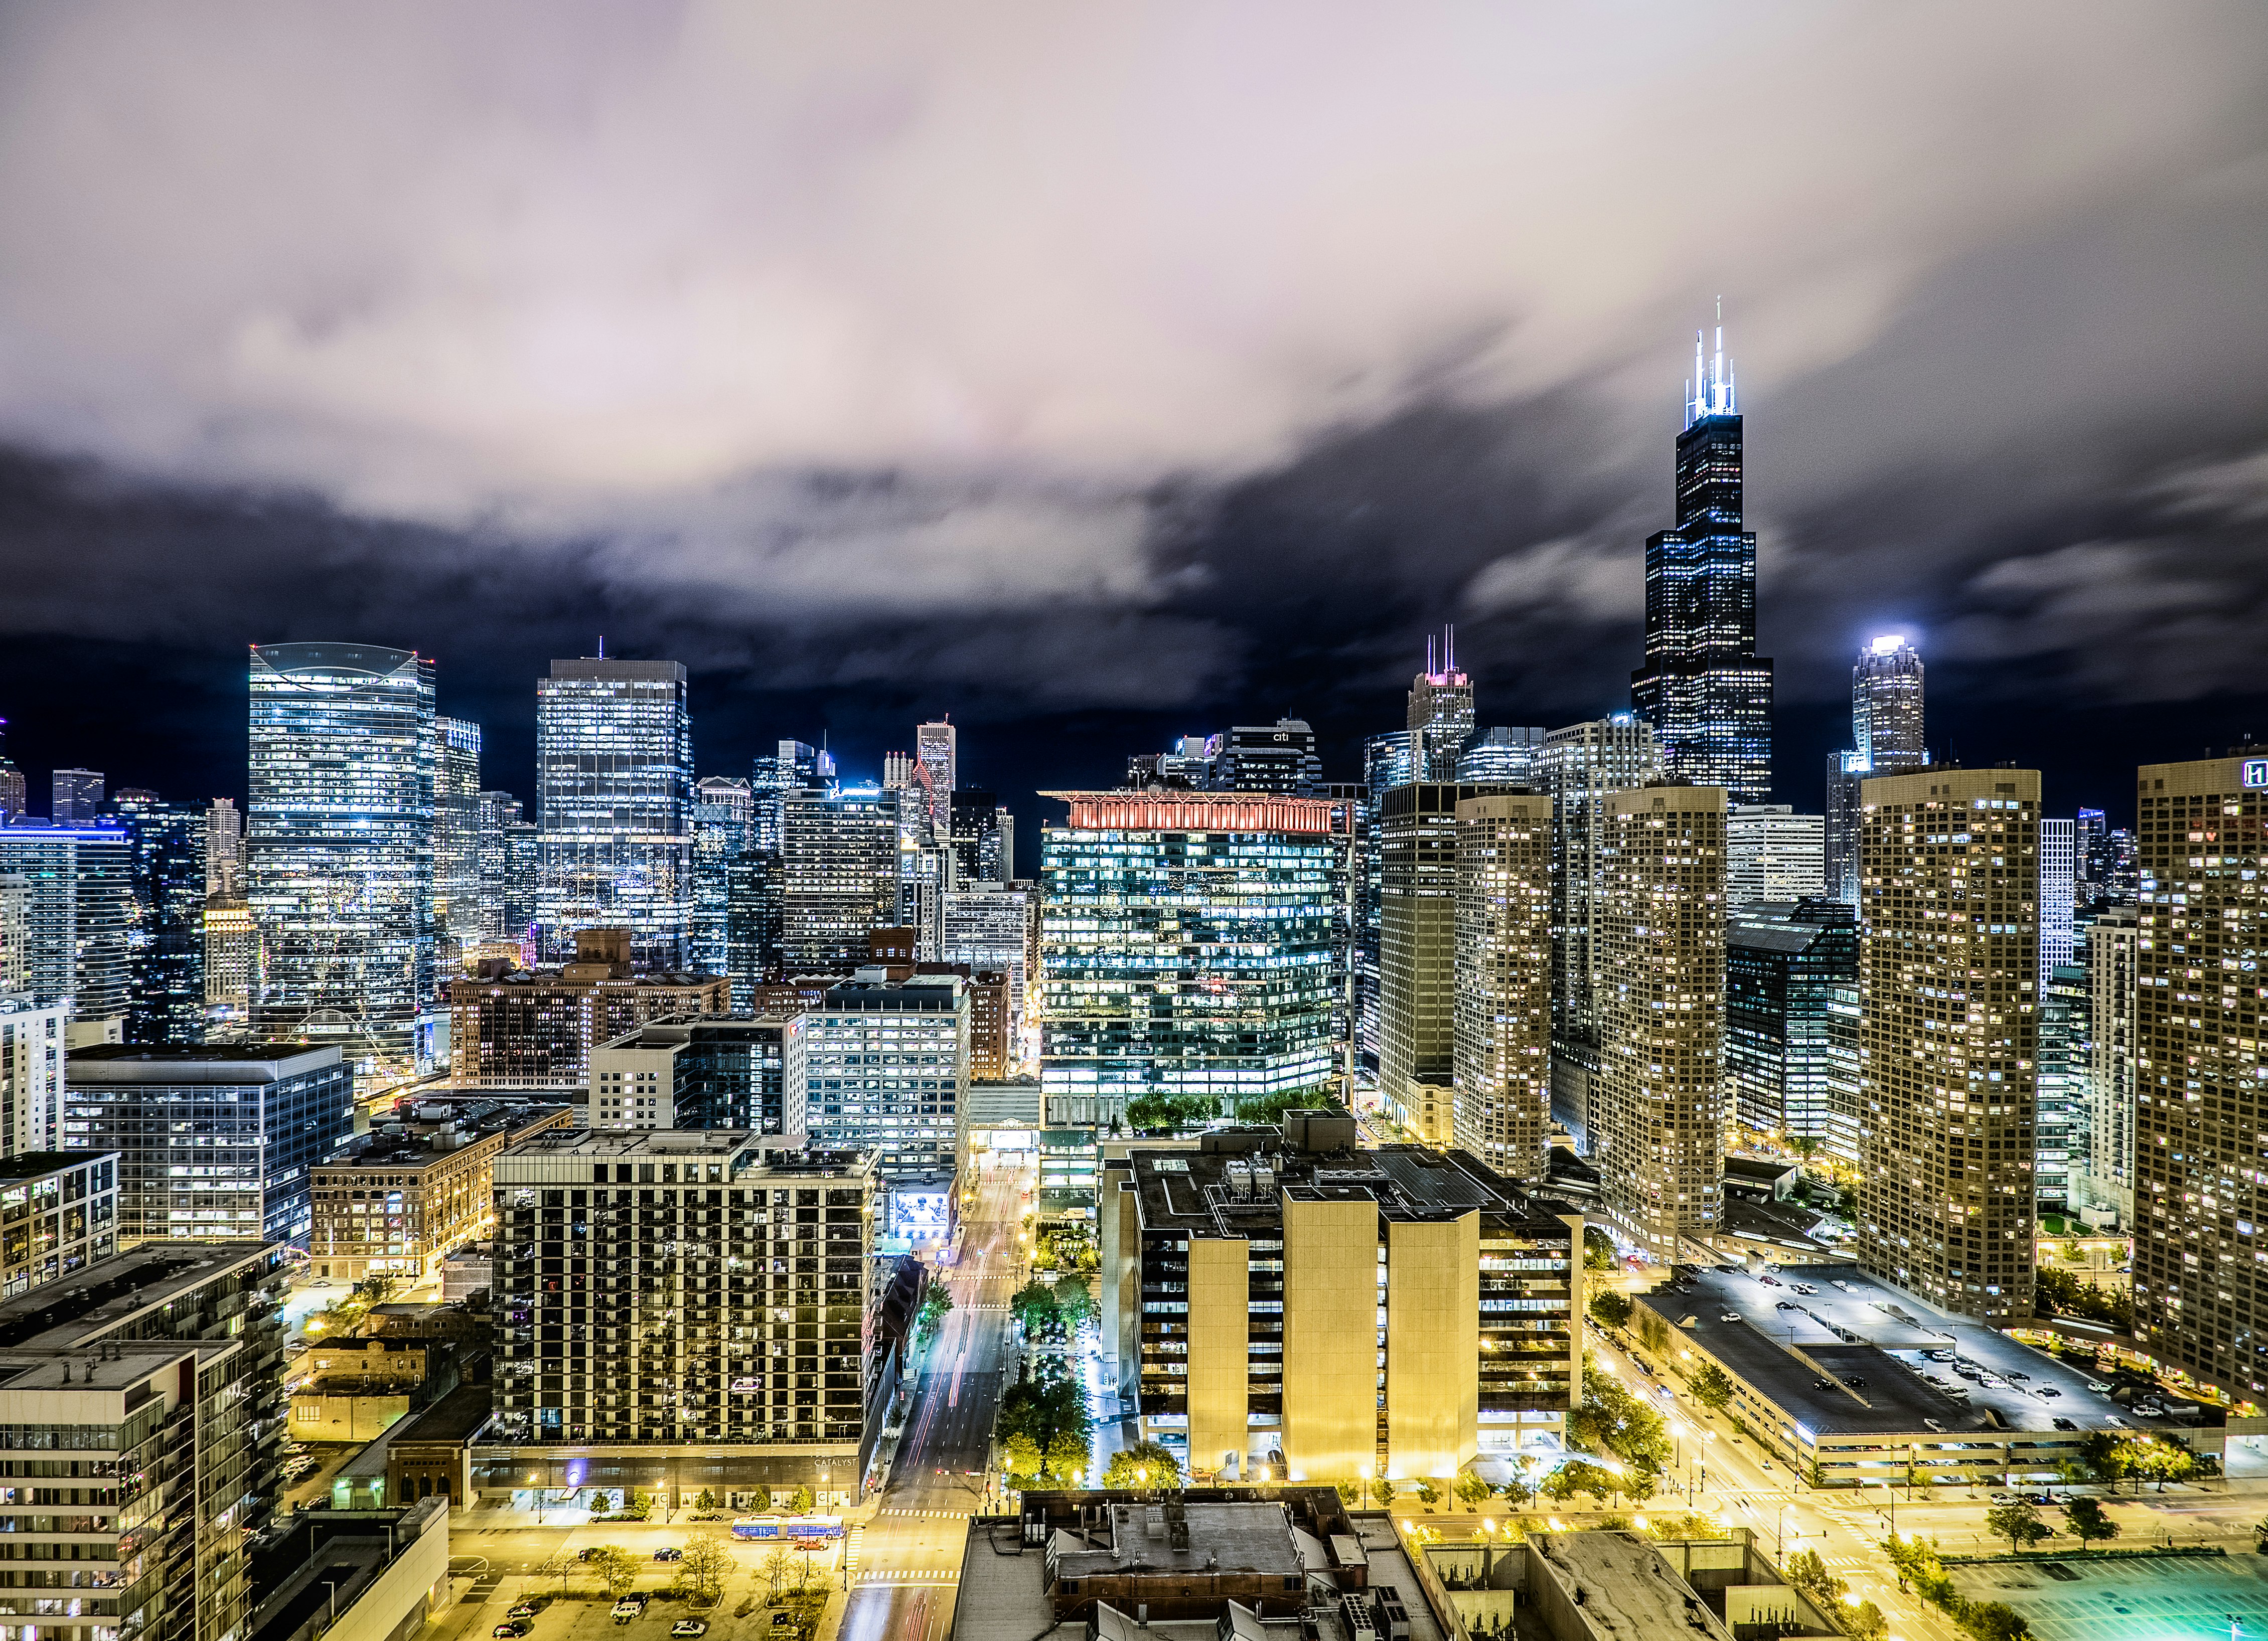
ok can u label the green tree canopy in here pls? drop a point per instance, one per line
(1610, 1308)
(2018, 1523)
(1712, 1387)
(2088, 1520)
(1145, 1464)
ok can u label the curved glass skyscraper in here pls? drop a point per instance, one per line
(338, 846)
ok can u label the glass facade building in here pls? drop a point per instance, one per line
(884, 1069)
(78, 915)
(211, 1142)
(721, 819)
(338, 846)
(839, 876)
(613, 755)
(1187, 946)
(1703, 688)
(166, 947)
(1792, 1021)
(456, 834)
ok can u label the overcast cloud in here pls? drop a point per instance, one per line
(1033, 358)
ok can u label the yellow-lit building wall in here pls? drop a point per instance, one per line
(1432, 1346)
(1219, 1351)
(1330, 1338)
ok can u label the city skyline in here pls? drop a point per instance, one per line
(1154, 504)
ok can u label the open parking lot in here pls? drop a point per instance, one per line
(2129, 1600)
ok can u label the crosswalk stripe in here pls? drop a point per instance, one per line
(939, 1515)
(883, 1576)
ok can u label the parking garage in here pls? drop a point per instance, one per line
(1853, 1383)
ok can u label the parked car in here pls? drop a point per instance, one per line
(512, 1628)
(2098, 1387)
(1730, 1316)
(2047, 1390)
(1822, 1384)
(1805, 1287)
(2114, 1421)
(687, 1629)
(1856, 1384)
(2065, 1425)
(1787, 1305)
(2012, 1373)
(669, 1552)
(2004, 1498)
(1770, 1282)
(1934, 1425)
(521, 1609)
(321, 1282)
(628, 1608)
(2039, 1498)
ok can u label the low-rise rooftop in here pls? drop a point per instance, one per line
(115, 1292)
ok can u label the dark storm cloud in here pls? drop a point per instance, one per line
(1165, 363)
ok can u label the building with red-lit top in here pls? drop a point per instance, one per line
(1188, 942)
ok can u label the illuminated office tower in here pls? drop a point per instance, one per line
(1417, 954)
(2199, 1201)
(1657, 1106)
(1887, 729)
(223, 849)
(1792, 1022)
(1501, 1082)
(2058, 890)
(1887, 736)
(32, 1036)
(882, 1067)
(1502, 756)
(753, 895)
(2060, 1099)
(12, 791)
(2102, 1169)
(494, 814)
(339, 847)
(231, 967)
(1949, 1008)
(456, 838)
(74, 796)
(1441, 710)
(984, 840)
(987, 926)
(1278, 757)
(721, 819)
(79, 919)
(166, 944)
(1186, 945)
(614, 761)
(1703, 688)
(1773, 854)
(1386, 762)
(793, 768)
(1583, 765)
(937, 749)
(839, 876)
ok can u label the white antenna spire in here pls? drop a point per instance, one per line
(1449, 646)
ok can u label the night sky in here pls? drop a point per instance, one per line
(1096, 375)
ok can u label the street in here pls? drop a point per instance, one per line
(907, 1560)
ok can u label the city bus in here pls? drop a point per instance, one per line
(784, 1527)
